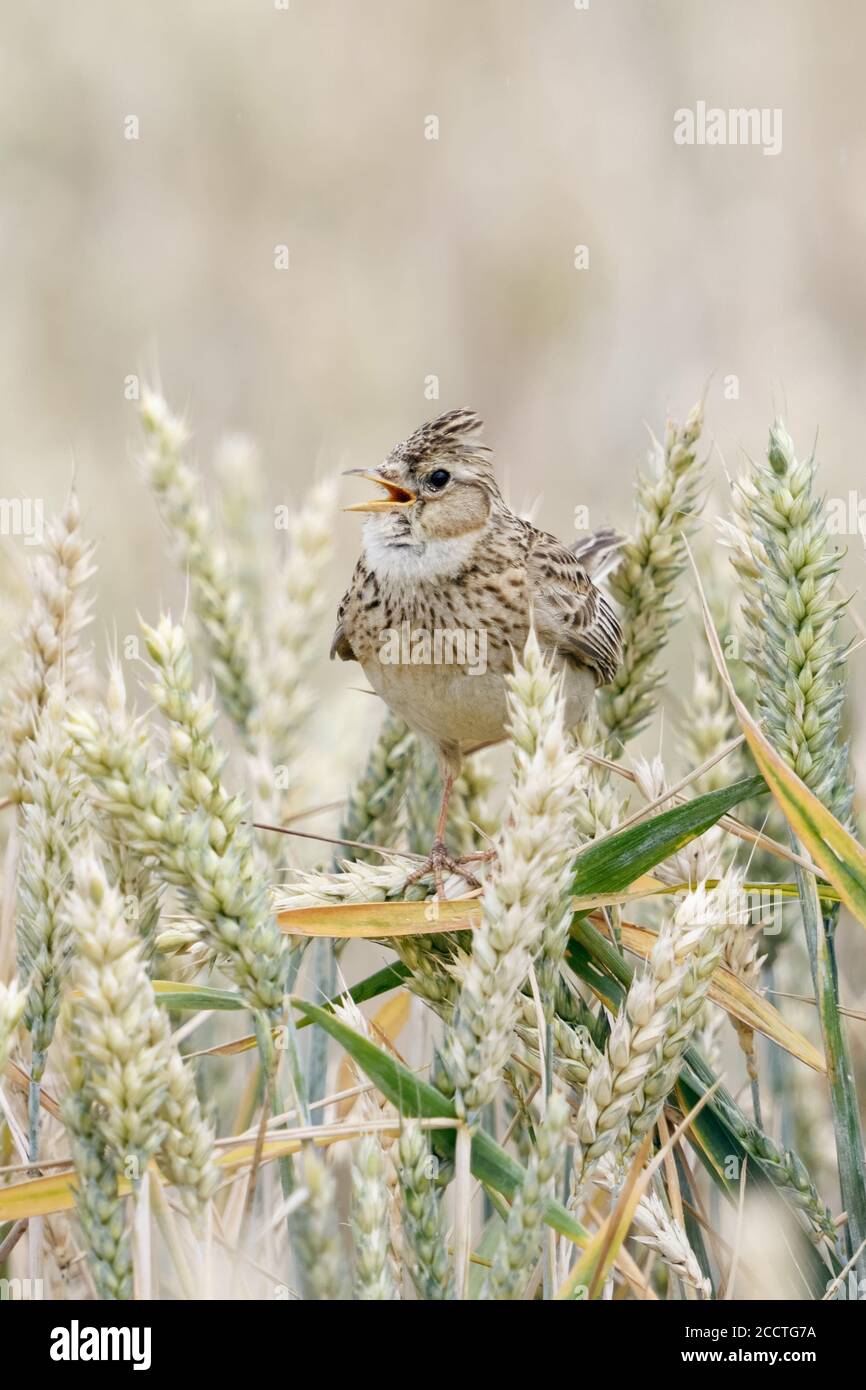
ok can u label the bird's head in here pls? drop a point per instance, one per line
(436, 486)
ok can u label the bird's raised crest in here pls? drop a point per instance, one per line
(454, 434)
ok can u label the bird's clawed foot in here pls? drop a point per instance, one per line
(440, 861)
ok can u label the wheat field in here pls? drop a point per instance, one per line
(245, 1064)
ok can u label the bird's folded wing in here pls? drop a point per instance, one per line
(340, 644)
(571, 614)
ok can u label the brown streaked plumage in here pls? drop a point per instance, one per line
(443, 554)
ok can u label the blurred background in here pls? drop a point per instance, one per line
(412, 258)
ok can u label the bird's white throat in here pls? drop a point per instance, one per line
(401, 558)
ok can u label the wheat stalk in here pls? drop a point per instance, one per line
(99, 1207)
(317, 1245)
(133, 1069)
(50, 827)
(525, 904)
(370, 1206)
(116, 1044)
(49, 642)
(426, 1251)
(627, 1087)
(644, 580)
(216, 600)
(520, 1245)
(210, 859)
(781, 552)
(788, 573)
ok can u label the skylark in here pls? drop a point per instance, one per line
(444, 593)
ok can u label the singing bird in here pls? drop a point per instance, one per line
(444, 554)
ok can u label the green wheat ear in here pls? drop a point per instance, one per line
(667, 500)
(788, 571)
(50, 651)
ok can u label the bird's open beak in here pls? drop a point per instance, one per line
(397, 496)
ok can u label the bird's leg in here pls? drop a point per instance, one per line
(439, 858)
(447, 789)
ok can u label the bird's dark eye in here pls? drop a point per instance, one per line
(438, 478)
